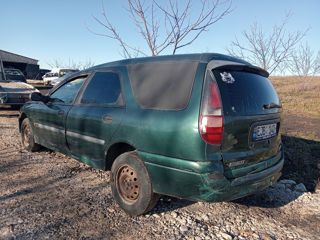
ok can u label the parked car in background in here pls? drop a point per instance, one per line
(41, 73)
(204, 127)
(48, 77)
(56, 73)
(60, 79)
(14, 90)
(13, 74)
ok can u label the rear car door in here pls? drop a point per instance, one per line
(95, 116)
(49, 119)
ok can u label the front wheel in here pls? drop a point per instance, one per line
(131, 184)
(27, 137)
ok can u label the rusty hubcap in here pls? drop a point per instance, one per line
(26, 136)
(128, 183)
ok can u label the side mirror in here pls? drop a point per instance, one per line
(37, 96)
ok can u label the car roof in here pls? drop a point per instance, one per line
(198, 57)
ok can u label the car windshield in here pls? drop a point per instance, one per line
(12, 72)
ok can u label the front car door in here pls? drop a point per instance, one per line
(95, 116)
(49, 119)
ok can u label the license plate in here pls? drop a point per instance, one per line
(264, 131)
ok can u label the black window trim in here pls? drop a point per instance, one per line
(79, 96)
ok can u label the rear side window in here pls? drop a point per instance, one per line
(162, 85)
(244, 93)
(103, 89)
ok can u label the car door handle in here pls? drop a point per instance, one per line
(107, 119)
(60, 112)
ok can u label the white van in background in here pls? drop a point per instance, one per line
(56, 73)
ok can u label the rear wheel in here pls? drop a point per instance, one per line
(131, 184)
(27, 137)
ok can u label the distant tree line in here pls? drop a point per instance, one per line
(71, 64)
(168, 26)
(278, 51)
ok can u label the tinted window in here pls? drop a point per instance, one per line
(162, 85)
(67, 92)
(103, 89)
(245, 93)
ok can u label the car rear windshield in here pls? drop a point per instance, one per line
(245, 93)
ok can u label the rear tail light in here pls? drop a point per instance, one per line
(211, 129)
(211, 119)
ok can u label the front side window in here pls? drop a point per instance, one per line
(67, 92)
(103, 89)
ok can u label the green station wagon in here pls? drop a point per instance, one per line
(204, 127)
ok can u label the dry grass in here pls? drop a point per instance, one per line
(299, 96)
(301, 105)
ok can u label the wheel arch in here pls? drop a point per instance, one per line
(115, 150)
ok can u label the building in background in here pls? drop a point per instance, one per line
(28, 66)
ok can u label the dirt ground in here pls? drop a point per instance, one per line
(46, 195)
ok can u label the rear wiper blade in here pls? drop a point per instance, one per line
(271, 105)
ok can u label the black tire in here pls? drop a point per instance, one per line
(131, 184)
(27, 137)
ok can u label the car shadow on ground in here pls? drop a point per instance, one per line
(167, 204)
(302, 161)
(272, 197)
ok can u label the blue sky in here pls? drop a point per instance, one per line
(50, 30)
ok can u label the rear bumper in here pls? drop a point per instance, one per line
(205, 181)
(245, 185)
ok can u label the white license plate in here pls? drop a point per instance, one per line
(264, 131)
